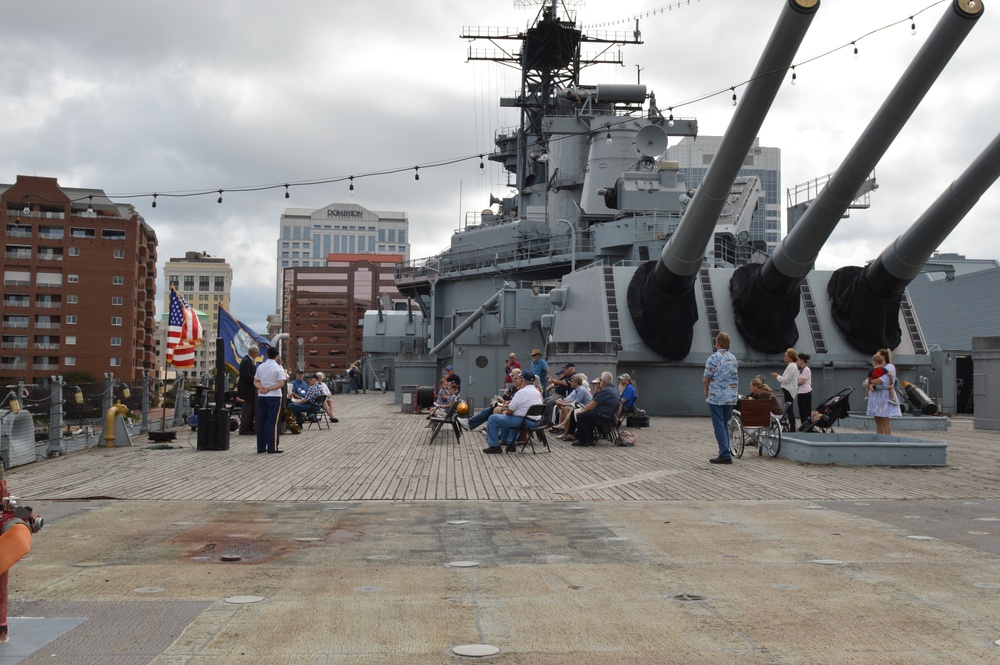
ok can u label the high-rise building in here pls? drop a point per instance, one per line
(325, 308)
(79, 289)
(205, 282)
(694, 156)
(307, 236)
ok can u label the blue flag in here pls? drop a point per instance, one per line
(238, 338)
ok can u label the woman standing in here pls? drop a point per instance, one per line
(882, 403)
(721, 382)
(805, 388)
(789, 380)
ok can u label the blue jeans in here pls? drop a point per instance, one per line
(499, 427)
(480, 418)
(721, 413)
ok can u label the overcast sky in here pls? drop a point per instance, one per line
(136, 97)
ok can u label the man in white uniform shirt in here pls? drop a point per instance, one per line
(503, 426)
(270, 383)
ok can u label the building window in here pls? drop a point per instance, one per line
(402, 236)
(116, 341)
(220, 284)
(72, 279)
(74, 251)
(203, 283)
(112, 234)
(69, 360)
(116, 362)
(71, 320)
(117, 300)
(72, 300)
(189, 283)
(117, 280)
(392, 235)
(119, 254)
(116, 320)
(70, 340)
(76, 232)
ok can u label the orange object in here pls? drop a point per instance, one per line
(14, 544)
(462, 408)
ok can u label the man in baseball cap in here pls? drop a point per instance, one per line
(504, 426)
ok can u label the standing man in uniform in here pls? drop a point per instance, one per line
(245, 390)
(270, 383)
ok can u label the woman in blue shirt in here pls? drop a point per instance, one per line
(626, 386)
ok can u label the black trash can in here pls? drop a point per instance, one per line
(213, 430)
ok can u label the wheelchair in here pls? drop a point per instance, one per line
(753, 423)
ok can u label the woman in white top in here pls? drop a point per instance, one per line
(805, 389)
(789, 381)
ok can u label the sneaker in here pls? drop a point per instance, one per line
(721, 460)
(493, 450)
(464, 423)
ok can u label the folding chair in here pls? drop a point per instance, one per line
(316, 413)
(532, 428)
(609, 430)
(449, 417)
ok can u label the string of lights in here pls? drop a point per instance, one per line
(286, 186)
(636, 17)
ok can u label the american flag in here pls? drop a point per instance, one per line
(183, 332)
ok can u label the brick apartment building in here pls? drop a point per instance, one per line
(79, 289)
(325, 307)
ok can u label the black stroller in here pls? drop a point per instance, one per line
(830, 411)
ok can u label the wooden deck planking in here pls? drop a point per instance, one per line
(378, 453)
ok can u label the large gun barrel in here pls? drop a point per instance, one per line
(865, 302)
(767, 299)
(661, 294)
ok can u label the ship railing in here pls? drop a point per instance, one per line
(523, 251)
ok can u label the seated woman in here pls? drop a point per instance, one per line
(579, 394)
(629, 393)
(760, 390)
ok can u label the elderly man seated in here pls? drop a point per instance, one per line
(302, 405)
(328, 403)
(601, 410)
(497, 406)
(504, 426)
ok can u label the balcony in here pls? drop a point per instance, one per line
(19, 232)
(48, 304)
(15, 345)
(16, 303)
(16, 282)
(44, 326)
(17, 254)
(15, 366)
(15, 324)
(47, 346)
(50, 257)
(45, 367)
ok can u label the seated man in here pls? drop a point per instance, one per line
(328, 402)
(601, 410)
(497, 406)
(559, 386)
(503, 426)
(301, 405)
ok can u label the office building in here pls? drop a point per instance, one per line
(205, 282)
(694, 156)
(325, 308)
(79, 290)
(306, 236)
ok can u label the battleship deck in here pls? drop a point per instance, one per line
(379, 453)
(363, 544)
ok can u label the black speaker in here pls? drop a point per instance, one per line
(213, 430)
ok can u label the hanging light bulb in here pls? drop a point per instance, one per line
(90, 205)
(734, 96)
(352, 185)
(78, 395)
(855, 50)
(608, 140)
(913, 26)
(670, 120)
(287, 195)
(15, 407)
(220, 196)
(793, 75)
(126, 393)
(154, 199)
(482, 166)
(416, 173)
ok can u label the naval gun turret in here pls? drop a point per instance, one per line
(865, 302)
(766, 297)
(661, 296)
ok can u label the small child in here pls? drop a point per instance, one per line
(874, 374)
(450, 397)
